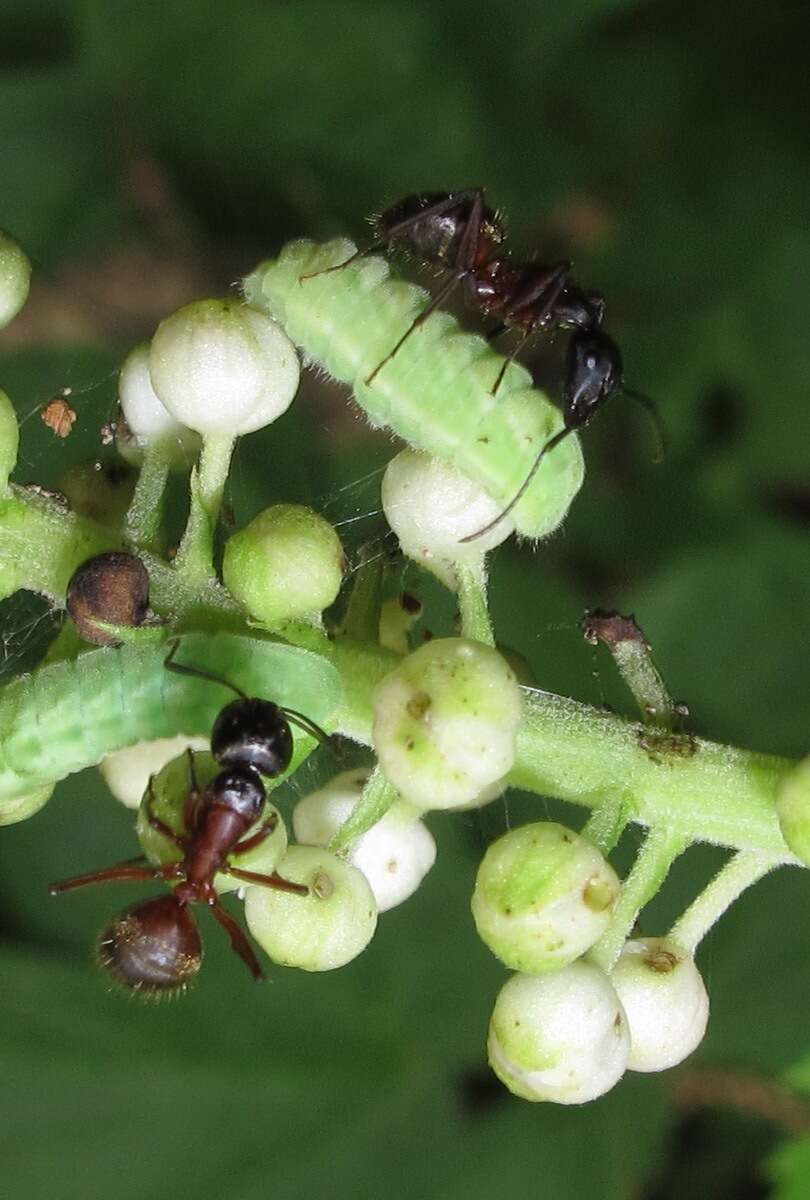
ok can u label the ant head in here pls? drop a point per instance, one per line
(239, 790)
(252, 733)
(575, 309)
(153, 948)
(593, 372)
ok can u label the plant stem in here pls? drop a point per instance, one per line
(142, 522)
(631, 654)
(661, 847)
(195, 557)
(378, 796)
(472, 601)
(740, 872)
(606, 823)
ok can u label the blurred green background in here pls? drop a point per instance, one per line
(153, 153)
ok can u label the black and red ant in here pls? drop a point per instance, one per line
(458, 232)
(155, 946)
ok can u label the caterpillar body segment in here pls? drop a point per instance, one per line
(436, 393)
(66, 716)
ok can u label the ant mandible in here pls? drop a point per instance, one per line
(155, 946)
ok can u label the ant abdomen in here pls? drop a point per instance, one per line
(153, 948)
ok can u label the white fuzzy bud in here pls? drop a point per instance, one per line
(15, 278)
(126, 772)
(665, 999)
(320, 931)
(445, 722)
(431, 507)
(394, 855)
(543, 896)
(147, 420)
(221, 367)
(561, 1037)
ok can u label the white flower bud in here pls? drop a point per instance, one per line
(323, 930)
(445, 722)
(793, 809)
(147, 420)
(431, 507)
(561, 1037)
(665, 1000)
(394, 855)
(126, 772)
(15, 278)
(221, 367)
(543, 896)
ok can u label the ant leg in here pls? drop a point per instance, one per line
(372, 249)
(121, 871)
(549, 445)
(510, 358)
(239, 942)
(196, 672)
(193, 794)
(270, 881)
(655, 416)
(155, 822)
(256, 839)
(434, 303)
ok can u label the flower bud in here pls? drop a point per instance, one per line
(394, 855)
(445, 722)
(219, 366)
(431, 507)
(9, 440)
(148, 422)
(287, 563)
(110, 589)
(127, 772)
(323, 930)
(665, 1000)
(793, 809)
(561, 1037)
(15, 278)
(170, 789)
(543, 896)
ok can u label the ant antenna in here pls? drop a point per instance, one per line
(307, 725)
(652, 409)
(183, 669)
(520, 493)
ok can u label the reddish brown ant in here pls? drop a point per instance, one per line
(155, 946)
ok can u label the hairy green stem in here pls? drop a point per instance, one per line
(606, 823)
(661, 847)
(195, 557)
(378, 796)
(740, 872)
(142, 522)
(472, 601)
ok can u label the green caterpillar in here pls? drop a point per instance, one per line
(436, 392)
(68, 715)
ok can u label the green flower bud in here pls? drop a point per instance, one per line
(20, 808)
(543, 896)
(323, 930)
(665, 1000)
(394, 855)
(147, 421)
(9, 440)
(561, 1037)
(445, 722)
(793, 809)
(219, 366)
(286, 564)
(170, 788)
(431, 507)
(127, 772)
(15, 278)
